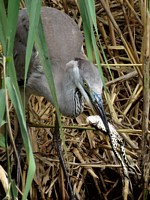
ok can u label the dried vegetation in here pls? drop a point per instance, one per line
(93, 169)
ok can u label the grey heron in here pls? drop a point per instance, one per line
(75, 77)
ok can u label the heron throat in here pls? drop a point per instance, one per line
(78, 102)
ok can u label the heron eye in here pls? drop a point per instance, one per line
(85, 84)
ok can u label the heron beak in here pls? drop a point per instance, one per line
(97, 103)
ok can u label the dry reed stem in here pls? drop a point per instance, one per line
(146, 105)
(92, 167)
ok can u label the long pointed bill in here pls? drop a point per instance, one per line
(97, 103)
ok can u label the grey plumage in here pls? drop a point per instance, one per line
(64, 40)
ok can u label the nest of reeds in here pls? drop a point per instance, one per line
(94, 171)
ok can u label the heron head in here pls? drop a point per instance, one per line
(87, 79)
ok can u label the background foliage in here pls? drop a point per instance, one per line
(121, 49)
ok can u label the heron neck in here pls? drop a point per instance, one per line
(70, 99)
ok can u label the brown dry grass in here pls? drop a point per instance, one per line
(93, 169)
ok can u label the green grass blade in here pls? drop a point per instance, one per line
(87, 10)
(91, 12)
(87, 28)
(2, 112)
(3, 25)
(34, 15)
(2, 105)
(14, 93)
(2, 141)
(28, 5)
(31, 167)
(13, 8)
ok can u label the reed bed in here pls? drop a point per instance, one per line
(94, 171)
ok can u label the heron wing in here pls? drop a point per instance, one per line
(63, 37)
